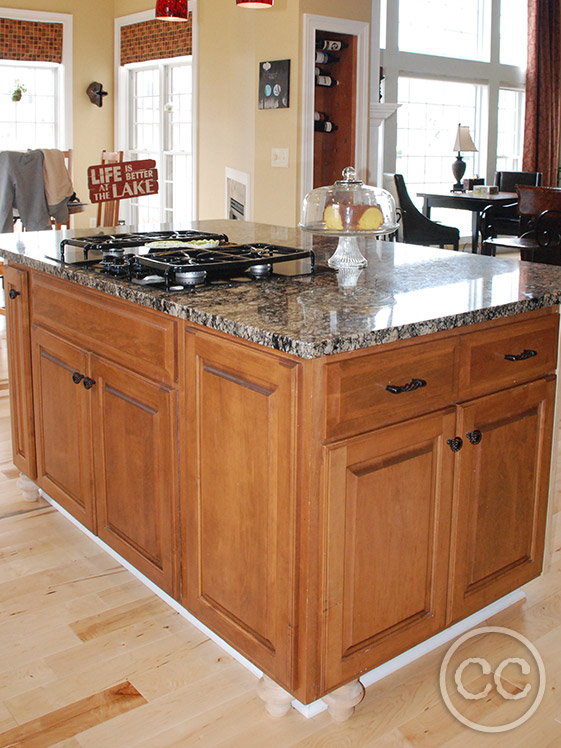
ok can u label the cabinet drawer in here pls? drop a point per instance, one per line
(359, 390)
(506, 355)
(137, 338)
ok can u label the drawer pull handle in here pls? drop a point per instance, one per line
(526, 353)
(455, 444)
(414, 384)
(88, 383)
(77, 377)
(12, 293)
(474, 436)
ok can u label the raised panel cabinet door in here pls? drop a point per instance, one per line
(136, 472)
(16, 291)
(239, 519)
(501, 500)
(387, 534)
(62, 424)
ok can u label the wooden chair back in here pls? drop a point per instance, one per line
(534, 200)
(108, 213)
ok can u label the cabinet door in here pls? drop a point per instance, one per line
(238, 523)
(501, 502)
(387, 532)
(19, 369)
(62, 423)
(136, 482)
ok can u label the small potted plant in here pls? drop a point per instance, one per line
(18, 92)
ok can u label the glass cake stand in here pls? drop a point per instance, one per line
(349, 209)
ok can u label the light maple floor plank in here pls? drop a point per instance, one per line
(75, 626)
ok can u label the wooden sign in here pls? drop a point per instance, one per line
(121, 180)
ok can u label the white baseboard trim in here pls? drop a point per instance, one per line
(372, 676)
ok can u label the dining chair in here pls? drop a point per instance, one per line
(417, 228)
(506, 219)
(539, 210)
(108, 212)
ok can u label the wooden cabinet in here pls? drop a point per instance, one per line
(16, 289)
(501, 498)
(389, 501)
(136, 473)
(107, 433)
(62, 421)
(239, 509)
(323, 516)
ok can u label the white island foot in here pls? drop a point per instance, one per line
(341, 703)
(28, 488)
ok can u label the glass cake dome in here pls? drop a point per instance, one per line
(349, 209)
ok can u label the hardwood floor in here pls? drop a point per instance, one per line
(90, 658)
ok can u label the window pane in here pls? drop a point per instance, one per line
(30, 122)
(514, 31)
(427, 123)
(456, 28)
(510, 130)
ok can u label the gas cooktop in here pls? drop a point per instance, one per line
(179, 260)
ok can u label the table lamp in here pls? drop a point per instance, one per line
(466, 144)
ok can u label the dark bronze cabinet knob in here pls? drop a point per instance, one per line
(474, 436)
(12, 293)
(455, 444)
(77, 377)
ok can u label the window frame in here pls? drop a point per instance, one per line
(64, 115)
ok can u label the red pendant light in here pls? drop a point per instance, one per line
(171, 10)
(255, 3)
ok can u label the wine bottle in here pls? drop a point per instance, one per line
(331, 45)
(325, 126)
(320, 116)
(322, 58)
(326, 80)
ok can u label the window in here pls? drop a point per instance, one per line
(160, 128)
(447, 28)
(33, 121)
(38, 54)
(470, 87)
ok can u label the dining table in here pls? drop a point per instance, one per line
(468, 200)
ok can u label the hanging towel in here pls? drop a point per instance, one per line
(58, 185)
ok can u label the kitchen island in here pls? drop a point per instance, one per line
(326, 469)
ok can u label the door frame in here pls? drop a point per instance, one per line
(361, 30)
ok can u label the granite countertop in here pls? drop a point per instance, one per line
(405, 291)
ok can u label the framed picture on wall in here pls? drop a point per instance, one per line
(274, 84)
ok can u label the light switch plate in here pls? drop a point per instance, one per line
(279, 157)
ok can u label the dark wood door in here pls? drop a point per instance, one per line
(387, 533)
(16, 290)
(501, 502)
(136, 471)
(62, 423)
(238, 522)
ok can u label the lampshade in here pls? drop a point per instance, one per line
(255, 3)
(172, 10)
(463, 140)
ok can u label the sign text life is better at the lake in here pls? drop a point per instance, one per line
(121, 180)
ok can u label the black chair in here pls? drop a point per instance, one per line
(505, 218)
(417, 228)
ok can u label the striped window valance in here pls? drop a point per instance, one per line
(155, 40)
(30, 40)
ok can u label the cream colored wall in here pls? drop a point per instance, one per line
(92, 61)
(232, 130)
